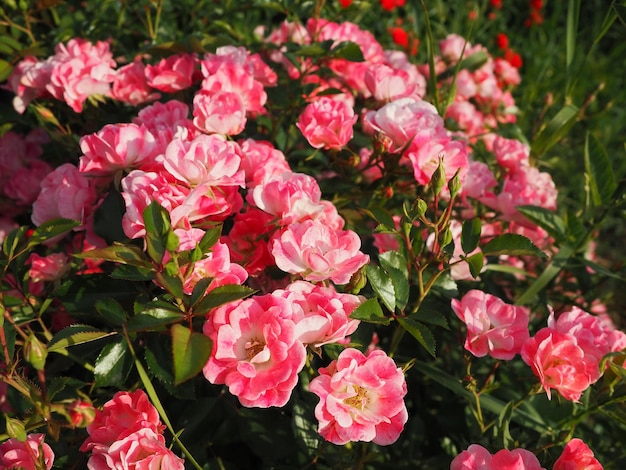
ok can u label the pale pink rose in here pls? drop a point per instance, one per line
(16, 455)
(316, 252)
(67, 193)
(235, 78)
(28, 81)
(23, 187)
(511, 153)
(466, 87)
(476, 457)
(361, 398)
(493, 326)
(256, 352)
(577, 456)
(131, 86)
(595, 336)
(81, 69)
(261, 161)
(116, 147)
(327, 123)
(248, 240)
(479, 182)
(215, 264)
(452, 48)
(207, 159)
(324, 313)
(559, 363)
(121, 416)
(387, 84)
(173, 73)
(240, 55)
(399, 121)
(222, 112)
(468, 119)
(142, 450)
(399, 60)
(48, 268)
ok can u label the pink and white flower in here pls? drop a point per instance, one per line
(26, 455)
(493, 326)
(131, 86)
(173, 73)
(222, 112)
(327, 123)
(577, 456)
(256, 352)
(48, 268)
(361, 398)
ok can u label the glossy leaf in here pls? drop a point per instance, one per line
(370, 312)
(221, 295)
(125, 254)
(599, 172)
(113, 364)
(470, 235)
(191, 352)
(112, 311)
(512, 244)
(555, 130)
(382, 285)
(76, 334)
(420, 332)
(50, 229)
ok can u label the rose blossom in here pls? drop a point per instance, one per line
(48, 268)
(323, 316)
(493, 326)
(560, 363)
(141, 450)
(317, 252)
(577, 456)
(361, 398)
(387, 84)
(26, 455)
(256, 352)
(222, 112)
(131, 86)
(261, 161)
(476, 457)
(121, 416)
(173, 73)
(327, 123)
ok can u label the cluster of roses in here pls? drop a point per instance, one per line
(277, 218)
(565, 356)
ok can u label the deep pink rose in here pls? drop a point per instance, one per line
(476, 457)
(317, 252)
(577, 456)
(16, 455)
(256, 352)
(173, 73)
(141, 450)
(361, 398)
(120, 417)
(131, 86)
(222, 112)
(327, 123)
(48, 268)
(493, 326)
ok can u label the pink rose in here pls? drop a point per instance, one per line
(141, 450)
(317, 252)
(23, 185)
(173, 73)
(327, 123)
(387, 84)
(361, 398)
(476, 457)
(560, 363)
(493, 326)
(16, 455)
(222, 112)
(120, 417)
(511, 153)
(116, 147)
(256, 352)
(577, 456)
(48, 268)
(131, 86)
(261, 161)
(323, 316)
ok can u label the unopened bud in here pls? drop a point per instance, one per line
(82, 413)
(439, 177)
(454, 185)
(35, 352)
(15, 429)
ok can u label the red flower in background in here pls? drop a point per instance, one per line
(497, 4)
(502, 41)
(389, 5)
(402, 39)
(345, 3)
(513, 58)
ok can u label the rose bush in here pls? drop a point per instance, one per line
(297, 238)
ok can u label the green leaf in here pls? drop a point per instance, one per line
(5, 70)
(432, 317)
(555, 130)
(125, 254)
(191, 352)
(370, 312)
(111, 310)
(381, 216)
(305, 429)
(548, 220)
(171, 284)
(76, 334)
(313, 50)
(199, 290)
(152, 319)
(382, 285)
(501, 429)
(470, 235)
(420, 332)
(348, 51)
(475, 263)
(50, 229)
(222, 295)
(107, 221)
(210, 238)
(113, 365)
(512, 244)
(13, 240)
(132, 273)
(555, 266)
(599, 172)
(394, 259)
(156, 363)
(158, 228)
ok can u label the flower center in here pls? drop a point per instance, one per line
(253, 348)
(359, 400)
